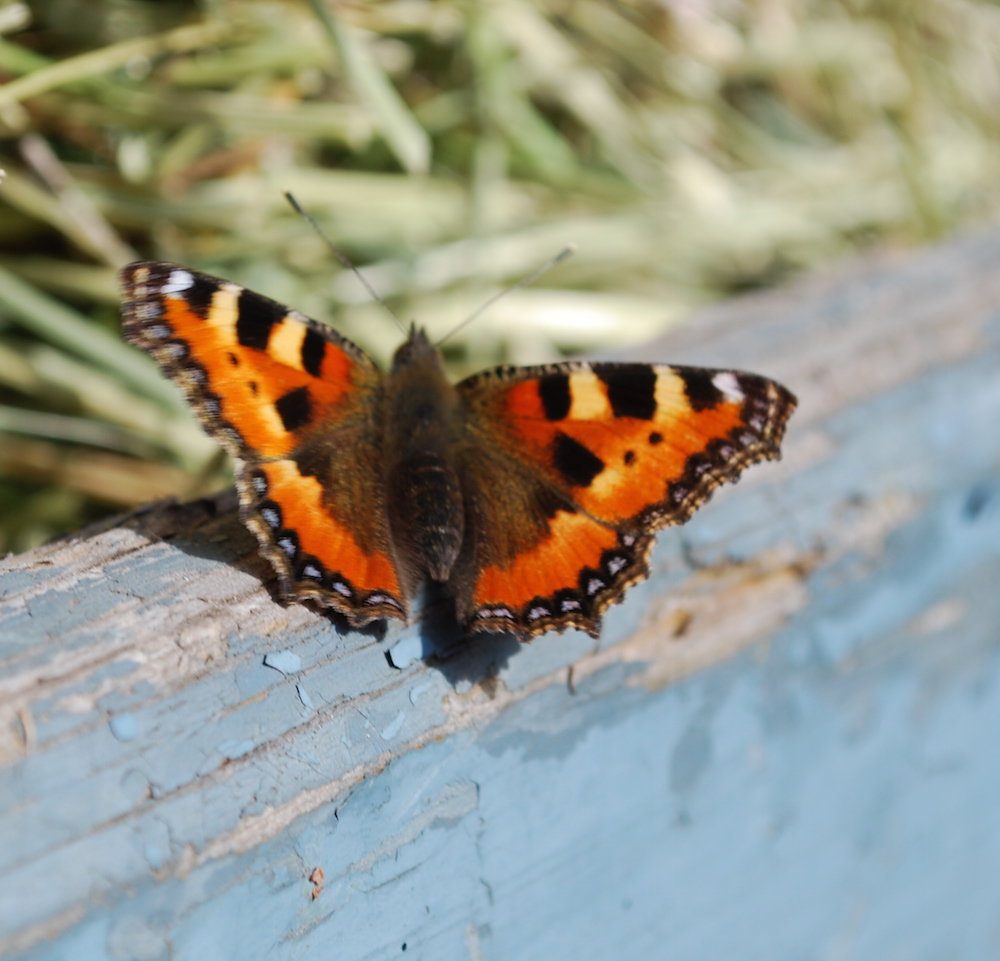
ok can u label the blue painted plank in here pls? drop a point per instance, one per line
(781, 748)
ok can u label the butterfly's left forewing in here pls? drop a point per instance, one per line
(616, 451)
(290, 399)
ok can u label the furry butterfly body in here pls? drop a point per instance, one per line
(531, 494)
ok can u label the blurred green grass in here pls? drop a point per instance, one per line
(689, 148)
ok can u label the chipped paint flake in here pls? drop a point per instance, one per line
(125, 727)
(287, 662)
(393, 727)
(409, 650)
(304, 697)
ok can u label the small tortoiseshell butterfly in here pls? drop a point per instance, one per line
(530, 493)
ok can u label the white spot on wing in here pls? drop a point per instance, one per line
(178, 282)
(726, 382)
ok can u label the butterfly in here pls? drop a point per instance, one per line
(529, 494)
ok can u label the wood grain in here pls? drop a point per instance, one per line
(783, 746)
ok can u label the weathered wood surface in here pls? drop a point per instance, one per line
(783, 748)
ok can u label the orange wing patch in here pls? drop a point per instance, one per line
(574, 542)
(316, 555)
(259, 376)
(645, 445)
(627, 448)
(568, 579)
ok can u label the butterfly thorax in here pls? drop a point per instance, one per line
(422, 426)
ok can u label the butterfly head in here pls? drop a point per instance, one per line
(417, 350)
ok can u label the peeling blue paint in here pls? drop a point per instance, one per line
(155, 856)
(304, 696)
(287, 662)
(393, 727)
(125, 727)
(407, 651)
(419, 690)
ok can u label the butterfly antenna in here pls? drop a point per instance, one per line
(341, 258)
(525, 281)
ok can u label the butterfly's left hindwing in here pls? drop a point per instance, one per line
(290, 399)
(623, 450)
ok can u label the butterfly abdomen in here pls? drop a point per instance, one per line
(426, 513)
(425, 498)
